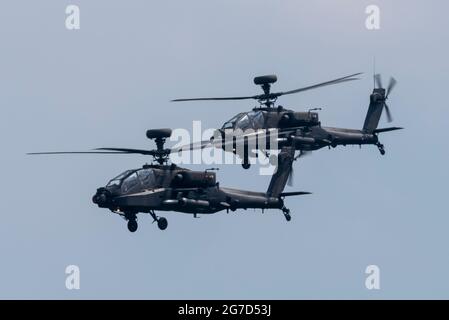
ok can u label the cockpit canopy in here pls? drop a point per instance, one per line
(134, 180)
(246, 120)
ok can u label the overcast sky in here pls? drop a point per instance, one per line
(107, 83)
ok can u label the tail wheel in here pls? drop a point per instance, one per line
(287, 215)
(381, 148)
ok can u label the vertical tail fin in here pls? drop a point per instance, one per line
(280, 177)
(377, 102)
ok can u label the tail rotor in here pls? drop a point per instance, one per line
(391, 85)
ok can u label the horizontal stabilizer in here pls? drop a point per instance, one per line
(295, 193)
(387, 129)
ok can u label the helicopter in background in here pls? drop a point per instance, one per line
(301, 130)
(161, 186)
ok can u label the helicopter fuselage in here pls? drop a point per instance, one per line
(301, 129)
(170, 188)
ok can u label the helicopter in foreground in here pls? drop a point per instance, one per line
(166, 187)
(302, 130)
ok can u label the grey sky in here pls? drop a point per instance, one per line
(105, 84)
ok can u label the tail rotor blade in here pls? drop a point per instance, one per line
(378, 79)
(388, 113)
(391, 85)
(290, 181)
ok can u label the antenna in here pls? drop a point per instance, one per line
(374, 72)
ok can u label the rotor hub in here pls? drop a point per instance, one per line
(159, 136)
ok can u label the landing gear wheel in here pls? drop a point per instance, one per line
(132, 225)
(246, 165)
(162, 223)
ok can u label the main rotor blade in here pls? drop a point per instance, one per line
(378, 79)
(100, 151)
(227, 143)
(388, 113)
(211, 99)
(127, 150)
(277, 94)
(327, 83)
(219, 143)
(294, 193)
(193, 146)
(75, 152)
(391, 85)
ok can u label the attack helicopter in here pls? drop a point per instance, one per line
(164, 186)
(302, 130)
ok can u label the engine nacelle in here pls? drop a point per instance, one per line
(194, 179)
(298, 119)
(306, 118)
